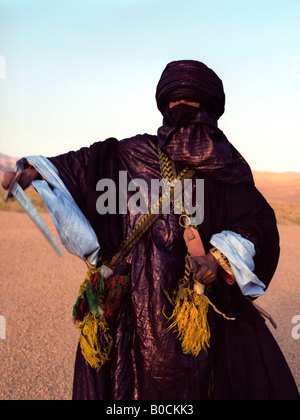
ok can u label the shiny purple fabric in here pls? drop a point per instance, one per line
(191, 80)
(201, 145)
(146, 361)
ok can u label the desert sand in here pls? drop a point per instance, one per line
(38, 289)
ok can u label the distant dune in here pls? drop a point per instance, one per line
(282, 191)
(7, 163)
(279, 187)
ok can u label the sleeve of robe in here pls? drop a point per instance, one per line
(248, 363)
(80, 171)
(247, 213)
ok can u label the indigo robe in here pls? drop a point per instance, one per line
(244, 361)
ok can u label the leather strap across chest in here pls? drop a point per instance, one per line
(168, 173)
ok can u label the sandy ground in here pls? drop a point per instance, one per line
(37, 292)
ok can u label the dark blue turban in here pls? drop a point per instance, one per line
(193, 81)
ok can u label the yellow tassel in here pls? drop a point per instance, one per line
(82, 288)
(95, 348)
(189, 319)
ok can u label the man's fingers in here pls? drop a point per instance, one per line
(23, 178)
(204, 268)
(192, 264)
(205, 276)
(7, 181)
(205, 273)
(8, 177)
(200, 273)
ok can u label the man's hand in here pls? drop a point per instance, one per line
(25, 180)
(204, 268)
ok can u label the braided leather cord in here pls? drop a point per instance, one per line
(169, 173)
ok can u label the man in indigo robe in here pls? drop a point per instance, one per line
(243, 360)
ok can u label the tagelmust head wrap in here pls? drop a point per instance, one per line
(189, 135)
(193, 81)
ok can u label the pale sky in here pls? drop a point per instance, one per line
(73, 72)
